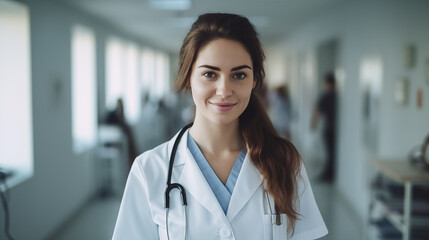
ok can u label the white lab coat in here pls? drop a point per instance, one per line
(142, 214)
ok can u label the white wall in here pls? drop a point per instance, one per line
(405, 126)
(63, 181)
(364, 29)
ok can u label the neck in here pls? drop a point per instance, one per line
(216, 138)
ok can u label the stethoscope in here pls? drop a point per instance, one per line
(170, 186)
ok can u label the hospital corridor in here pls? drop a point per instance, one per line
(88, 86)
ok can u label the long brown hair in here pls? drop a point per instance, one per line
(275, 157)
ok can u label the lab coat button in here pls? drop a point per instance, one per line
(225, 232)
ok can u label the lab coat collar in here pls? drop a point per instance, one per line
(247, 183)
(194, 182)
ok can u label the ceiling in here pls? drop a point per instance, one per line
(166, 29)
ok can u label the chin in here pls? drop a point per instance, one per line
(224, 120)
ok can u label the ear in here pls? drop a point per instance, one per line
(254, 84)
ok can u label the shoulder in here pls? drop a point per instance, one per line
(153, 161)
(156, 158)
(159, 151)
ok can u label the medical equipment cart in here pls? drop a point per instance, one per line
(408, 175)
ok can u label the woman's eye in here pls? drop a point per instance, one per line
(240, 75)
(209, 75)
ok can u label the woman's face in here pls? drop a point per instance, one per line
(221, 81)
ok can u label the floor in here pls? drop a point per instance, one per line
(96, 221)
(341, 221)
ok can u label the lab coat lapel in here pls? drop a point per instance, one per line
(194, 181)
(247, 183)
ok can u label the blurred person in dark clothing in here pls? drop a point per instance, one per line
(117, 117)
(326, 107)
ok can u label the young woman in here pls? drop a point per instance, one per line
(229, 175)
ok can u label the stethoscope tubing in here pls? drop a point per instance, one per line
(171, 186)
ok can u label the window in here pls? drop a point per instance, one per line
(147, 71)
(132, 91)
(114, 72)
(84, 110)
(155, 73)
(122, 77)
(162, 75)
(16, 129)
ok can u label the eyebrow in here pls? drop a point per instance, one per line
(218, 69)
(241, 67)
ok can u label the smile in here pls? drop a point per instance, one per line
(223, 107)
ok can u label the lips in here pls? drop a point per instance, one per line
(223, 107)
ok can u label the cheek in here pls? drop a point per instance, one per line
(199, 91)
(247, 90)
(246, 93)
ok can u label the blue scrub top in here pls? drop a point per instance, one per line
(222, 192)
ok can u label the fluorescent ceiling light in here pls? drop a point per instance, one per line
(170, 4)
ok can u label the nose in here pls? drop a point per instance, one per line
(224, 88)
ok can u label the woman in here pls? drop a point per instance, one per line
(241, 180)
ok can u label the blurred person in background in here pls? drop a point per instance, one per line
(326, 107)
(117, 117)
(280, 110)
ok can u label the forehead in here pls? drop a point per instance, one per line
(223, 53)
